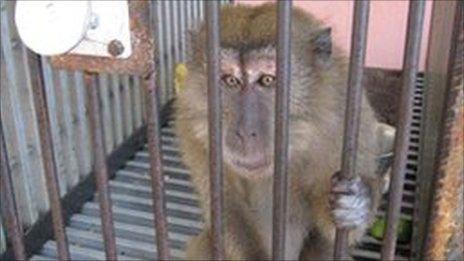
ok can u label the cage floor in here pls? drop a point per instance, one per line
(133, 217)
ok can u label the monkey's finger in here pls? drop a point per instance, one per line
(348, 218)
(336, 176)
(355, 202)
(341, 186)
(348, 186)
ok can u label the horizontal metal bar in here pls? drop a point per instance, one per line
(284, 20)
(411, 61)
(353, 109)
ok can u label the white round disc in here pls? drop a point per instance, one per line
(52, 27)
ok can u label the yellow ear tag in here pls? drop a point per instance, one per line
(180, 73)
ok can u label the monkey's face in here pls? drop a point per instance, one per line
(248, 85)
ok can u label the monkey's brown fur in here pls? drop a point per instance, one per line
(316, 136)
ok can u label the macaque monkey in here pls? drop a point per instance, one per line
(319, 201)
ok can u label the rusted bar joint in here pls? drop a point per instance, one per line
(100, 168)
(281, 129)
(410, 64)
(8, 205)
(215, 127)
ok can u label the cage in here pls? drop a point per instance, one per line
(87, 174)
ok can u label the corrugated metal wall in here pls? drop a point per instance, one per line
(121, 99)
(172, 20)
(121, 111)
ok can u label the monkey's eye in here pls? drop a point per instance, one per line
(266, 80)
(230, 80)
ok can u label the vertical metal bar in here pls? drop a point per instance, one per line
(136, 100)
(196, 13)
(53, 113)
(22, 129)
(117, 110)
(157, 181)
(183, 25)
(443, 46)
(168, 50)
(8, 207)
(215, 127)
(63, 94)
(188, 15)
(175, 30)
(284, 21)
(410, 65)
(160, 38)
(103, 86)
(46, 145)
(83, 127)
(127, 104)
(101, 172)
(353, 109)
(200, 10)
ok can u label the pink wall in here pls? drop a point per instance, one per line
(387, 27)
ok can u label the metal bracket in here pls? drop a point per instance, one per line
(140, 62)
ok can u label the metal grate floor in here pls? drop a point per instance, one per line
(131, 195)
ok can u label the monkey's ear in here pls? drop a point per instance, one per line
(322, 44)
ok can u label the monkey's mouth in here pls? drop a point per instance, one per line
(248, 164)
(251, 165)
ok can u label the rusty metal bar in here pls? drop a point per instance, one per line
(215, 127)
(100, 169)
(8, 207)
(353, 109)
(157, 181)
(284, 20)
(446, 18)
(410, 68)
(46, 145)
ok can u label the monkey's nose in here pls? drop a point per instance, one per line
(242, 134)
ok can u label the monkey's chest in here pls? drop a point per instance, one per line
(260, 216)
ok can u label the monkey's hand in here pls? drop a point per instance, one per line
(350, 202)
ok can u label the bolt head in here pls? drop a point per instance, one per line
(115, 48)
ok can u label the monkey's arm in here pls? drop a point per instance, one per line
(354, 202)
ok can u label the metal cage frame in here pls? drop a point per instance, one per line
(150, 82)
